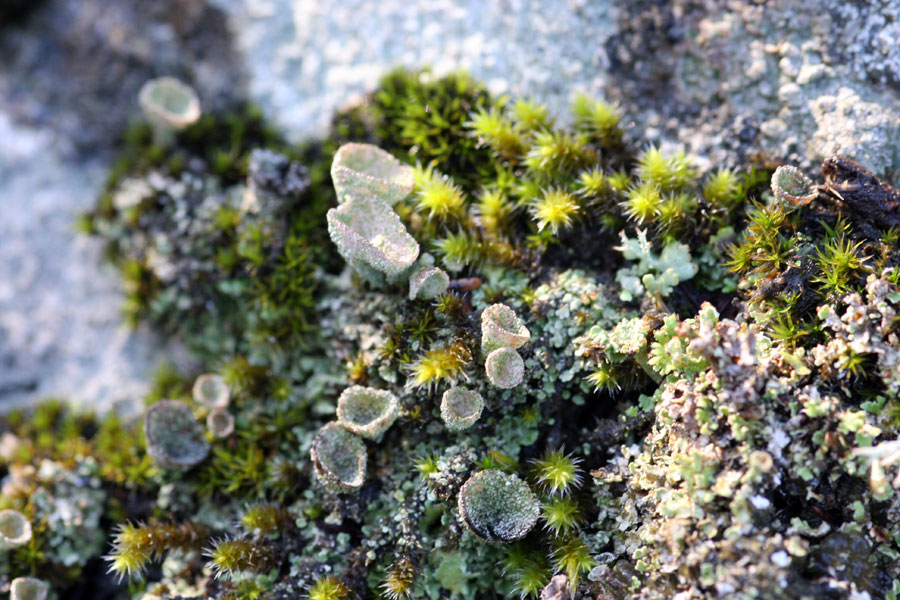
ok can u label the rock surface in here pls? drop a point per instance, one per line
(60, 321)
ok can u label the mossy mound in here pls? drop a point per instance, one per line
(682, 425)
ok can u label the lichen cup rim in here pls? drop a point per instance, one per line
(789, 183)
(325, 471)
(359, 169)
(350, 402)
(501, 326)
(221, 399)
(39, 589)
(15, 528)
(453, 420)
(511, 374)
(215, 424)
(370, 233)
(423, 280)
(156, 109)
(192, 453)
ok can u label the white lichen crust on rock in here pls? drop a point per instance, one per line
(498, 506)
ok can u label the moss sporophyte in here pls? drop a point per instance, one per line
(458, 349)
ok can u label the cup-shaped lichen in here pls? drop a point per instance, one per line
(220, 423)
(505, 368)
(364, 170)
(28, 588)
(211, 390)
(367, 412)
(428, 283)
(15, 529)
(792, 186)
(498, 506)
(460, 408)
(175, 439)
(372, 239)
(169, 106)
(501, 327)
(339, 458)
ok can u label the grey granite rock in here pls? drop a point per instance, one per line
(61, 332)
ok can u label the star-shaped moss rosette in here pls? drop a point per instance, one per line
(372, 239)
(498, 506)
(461, 408)
(339, 458)
(367, 412)
(364, 170)
(15, 529)
(175, 439)
(501, 327)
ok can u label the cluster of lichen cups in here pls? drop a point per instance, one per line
(338, 453)
(502, 333)
(175, 439)
(495, 505)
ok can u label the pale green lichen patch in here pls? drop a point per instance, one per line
(498, 506)
(657, 274)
